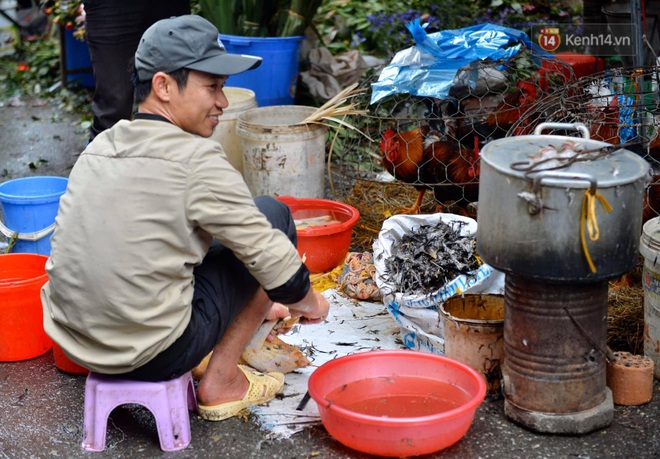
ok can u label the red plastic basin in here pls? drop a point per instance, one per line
(415, 417)
(323, 247)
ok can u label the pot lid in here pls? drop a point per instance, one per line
(527, 155)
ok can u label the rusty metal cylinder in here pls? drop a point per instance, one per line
(473, 326)
(554, 372)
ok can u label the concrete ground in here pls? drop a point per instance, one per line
(41, 408)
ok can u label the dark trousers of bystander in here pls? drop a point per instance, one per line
(113, 29)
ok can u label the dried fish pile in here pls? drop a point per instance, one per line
(429, 257)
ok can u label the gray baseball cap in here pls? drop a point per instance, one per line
(189, 42)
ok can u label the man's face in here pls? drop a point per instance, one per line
(196, 109)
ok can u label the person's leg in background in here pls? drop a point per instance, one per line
(113, 30)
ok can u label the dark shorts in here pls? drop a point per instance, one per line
(222, 288)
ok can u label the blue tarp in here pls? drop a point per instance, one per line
(429, 67)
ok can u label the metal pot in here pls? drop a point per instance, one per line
(530, 220)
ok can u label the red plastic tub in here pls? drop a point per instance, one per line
(65, 364)
(397, 403)
(323, 247)
(22, 334)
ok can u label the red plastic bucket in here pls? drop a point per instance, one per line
(22, 334)
(65, 364)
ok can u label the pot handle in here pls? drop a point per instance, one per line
(534, 200)
(538, 179)
(574, 126)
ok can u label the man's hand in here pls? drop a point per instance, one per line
(277, 312)
(312, 309)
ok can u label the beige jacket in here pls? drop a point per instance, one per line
(142, 205)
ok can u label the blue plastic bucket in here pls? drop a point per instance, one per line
(29, 206)
(274, 81)
(78, 61)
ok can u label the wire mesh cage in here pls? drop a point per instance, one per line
(620, 106)
(408, 144)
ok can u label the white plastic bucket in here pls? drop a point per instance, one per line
(649, 247)
(240, 100)
(280, 157)
(8, 31)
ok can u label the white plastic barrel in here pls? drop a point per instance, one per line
(649, 247)
(240, 100)
(281, 157)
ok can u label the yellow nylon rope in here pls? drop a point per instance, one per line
(588, 216)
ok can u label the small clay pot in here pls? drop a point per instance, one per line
(630, 378)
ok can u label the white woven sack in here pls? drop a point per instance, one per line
(418, 315)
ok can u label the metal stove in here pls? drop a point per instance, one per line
(536, 225)
(555, 355)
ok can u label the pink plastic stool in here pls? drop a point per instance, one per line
(168, 401)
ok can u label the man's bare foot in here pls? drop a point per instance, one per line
(262, 388)
(214, 389)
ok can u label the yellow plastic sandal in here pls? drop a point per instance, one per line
(263, 388)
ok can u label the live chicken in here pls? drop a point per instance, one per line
(605, 123)
(427, 160)
(514, 110)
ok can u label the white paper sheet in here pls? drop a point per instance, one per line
(351, 327)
